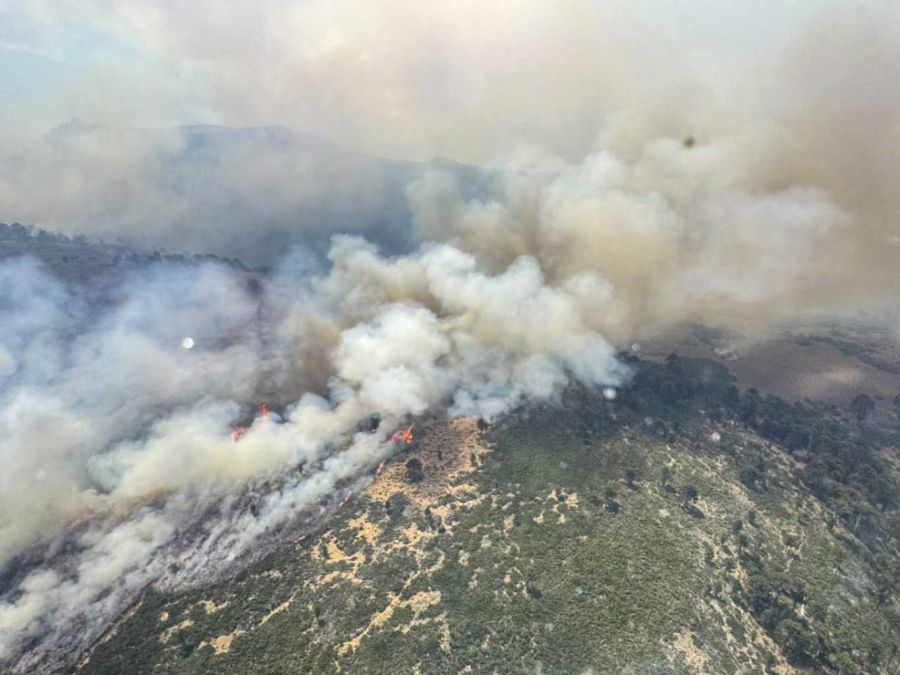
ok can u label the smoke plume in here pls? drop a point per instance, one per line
(618, 191)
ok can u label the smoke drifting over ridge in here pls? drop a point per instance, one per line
(549, 96)
(600, 222)
(106, 412)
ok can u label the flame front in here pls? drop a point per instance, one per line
(402, 436)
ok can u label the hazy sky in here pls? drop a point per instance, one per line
(104, 61)
(602, 220)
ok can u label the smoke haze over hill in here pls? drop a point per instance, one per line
(614, 190)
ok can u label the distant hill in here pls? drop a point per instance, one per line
(78, 259)
(250, 193)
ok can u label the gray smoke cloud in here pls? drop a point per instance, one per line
(248, 193)
(626, 193)
(105, 413)
(407, 79)
(545, 95)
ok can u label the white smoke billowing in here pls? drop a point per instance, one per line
(669, 237)
(79, 379)
(626, 194)
(582, 98)
(112, 414)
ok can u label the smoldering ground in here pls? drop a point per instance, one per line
(625, 193)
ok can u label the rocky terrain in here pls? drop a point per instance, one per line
(683, 527)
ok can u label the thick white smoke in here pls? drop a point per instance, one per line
(672, 236)
(627, 194)
(105, 413)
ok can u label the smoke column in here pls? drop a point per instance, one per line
(619, 192)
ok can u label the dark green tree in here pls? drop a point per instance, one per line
(414, 471)
(861, 406)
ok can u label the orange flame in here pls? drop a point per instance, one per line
(236, 433)
(402, 436)
(79, 520)
(263, 409)
(380, 467)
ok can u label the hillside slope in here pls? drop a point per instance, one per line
(682, 527)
